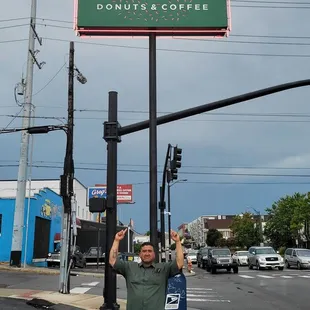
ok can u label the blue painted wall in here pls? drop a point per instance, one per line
(48, 205)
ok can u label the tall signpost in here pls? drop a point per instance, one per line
(150, 19)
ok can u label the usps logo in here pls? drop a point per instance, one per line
(172, 301)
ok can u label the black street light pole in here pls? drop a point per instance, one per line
(111, 136)
(153, 142)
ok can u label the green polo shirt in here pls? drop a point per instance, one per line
(146, 286)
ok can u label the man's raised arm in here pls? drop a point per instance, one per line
(114, 249)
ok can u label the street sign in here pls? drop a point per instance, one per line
(124, 193)
(161, 17)
(176, 293)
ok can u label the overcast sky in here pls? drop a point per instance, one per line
(254, 134)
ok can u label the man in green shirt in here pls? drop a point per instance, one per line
(146, 281)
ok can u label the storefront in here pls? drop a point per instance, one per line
(41, 226)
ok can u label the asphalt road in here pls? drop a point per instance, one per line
(250, 289)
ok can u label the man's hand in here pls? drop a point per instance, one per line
(174, 236)
(120, 235)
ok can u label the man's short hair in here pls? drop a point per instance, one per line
(146, 244)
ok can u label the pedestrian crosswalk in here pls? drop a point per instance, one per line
(198, 294)
(275, 276)
(84, 288)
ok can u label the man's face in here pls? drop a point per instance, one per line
(147, 254)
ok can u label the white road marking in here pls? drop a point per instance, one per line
(264, 276)
(199, 289)
(205, 295)
(207, 300)
(308, 277)
(80, 290)
(287, 277)
(245, 276)
(90, 284)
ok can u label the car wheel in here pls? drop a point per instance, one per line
(228, 269)
(238, 262)
(258, 266)
(287, 265)
(213, 270)
(298, 266)
(236, 269)
(280, 268)
(250, 266)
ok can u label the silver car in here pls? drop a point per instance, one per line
(265, 257)
(299, 258)
(241, 257)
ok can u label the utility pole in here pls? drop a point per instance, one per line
(18, 225)
(66, 185)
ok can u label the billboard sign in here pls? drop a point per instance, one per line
(162, 17)
(124, 193)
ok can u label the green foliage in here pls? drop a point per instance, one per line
(137, 248)
(172, 247)
(213, 237)
(282, 250)
(287, 216)
(246, 233)
(148, 233)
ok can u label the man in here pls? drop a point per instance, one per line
(146, 281)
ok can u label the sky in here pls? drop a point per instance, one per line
(234, 159)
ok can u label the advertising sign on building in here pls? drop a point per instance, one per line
(124, 193)
(163, 17)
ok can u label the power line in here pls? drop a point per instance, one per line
(12, 120)
(51, 79)
(183, 172)
(183, 166)
(185, 120)
(184, 51)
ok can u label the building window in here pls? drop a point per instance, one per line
(0, 224)
(82, 213)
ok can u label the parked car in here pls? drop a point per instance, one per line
(296, 257)
(265, 257)
(220, 258)
(78, 258)
(202, 257)
(241, 258)
(91, 256)
(133, 257)
(192, 255)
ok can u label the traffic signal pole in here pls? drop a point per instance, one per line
(112, 134)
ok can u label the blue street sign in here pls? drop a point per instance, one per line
(176, 293)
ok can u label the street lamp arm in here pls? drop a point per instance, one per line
(212, 106)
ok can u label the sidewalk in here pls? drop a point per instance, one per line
(80, 301)
(47, 271)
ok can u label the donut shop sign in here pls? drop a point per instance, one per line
(142, 17)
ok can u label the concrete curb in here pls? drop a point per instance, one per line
(46, 271)
(82, 301)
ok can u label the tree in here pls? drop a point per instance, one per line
(246, 233)
(172, 247)
(286, 217)
(148, 233)
(137, 247)
(213, 237)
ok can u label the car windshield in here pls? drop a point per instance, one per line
(303, 253)
(265, 251)
(245, 253)
(221, 252)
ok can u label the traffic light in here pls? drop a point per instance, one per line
(175, 163)
(97, 205)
